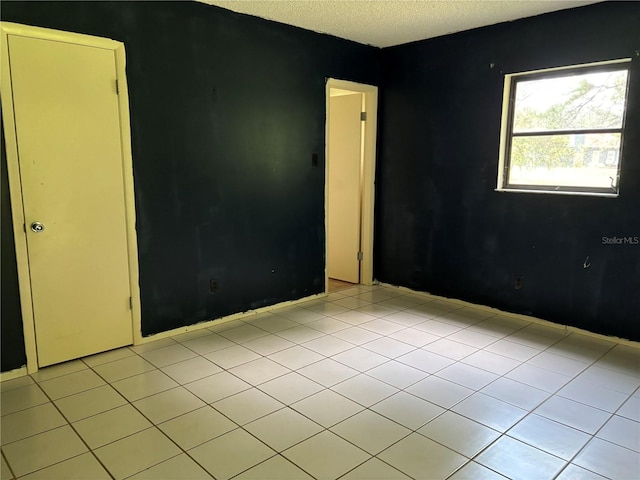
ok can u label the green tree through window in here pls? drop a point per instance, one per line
(565, 129)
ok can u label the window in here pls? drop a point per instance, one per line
(562, 129)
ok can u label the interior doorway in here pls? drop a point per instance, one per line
(349, 193)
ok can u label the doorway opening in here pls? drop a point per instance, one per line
(349, 187)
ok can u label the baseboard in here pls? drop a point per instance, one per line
(228, 318)
(11, 374)
(546, 323)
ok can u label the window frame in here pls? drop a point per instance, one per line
(507, 135)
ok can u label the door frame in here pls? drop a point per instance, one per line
(368, 175)
(15, 185)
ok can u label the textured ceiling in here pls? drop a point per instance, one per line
(384, 23)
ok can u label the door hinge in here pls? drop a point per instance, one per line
(363, 116)
(130, 303)
(24, 227)
(360, 255)
(117, 87)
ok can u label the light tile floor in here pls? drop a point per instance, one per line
(368, 383)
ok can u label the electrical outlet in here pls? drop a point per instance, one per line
(213, 286)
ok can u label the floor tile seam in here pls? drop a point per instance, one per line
(405, 435)
(6, 462)
(411, 429)
(287, 404)
(353, 400)
(278, 454)
(582, 402)
(584, 448)
(401, 389)
(325, 430)
(495, 339)
(333, 425)
(27, 407)
(389, 337)
(159, 427)
(40, 382)
(451, 408)
(506, 433)
(531, 410)
(573, 377)
(473, 460)
(128, 347)
(151, 466)
(595, 435)
(549, 394)
(75, 431)
(427, 438)
(202, 354)
(68, 421)
(57, 463)
(450, 476)
(322, 429)
(623, 403)
(284, 405)
(93, 368)
(368, 460)
(155, 426)
(354, 368)
(520, 363)
(561, 352)
(563, 423)
(476, 390)
(633, 390)
(613, 370)
(240, 427)
(469, 459)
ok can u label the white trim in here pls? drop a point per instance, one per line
(229, 318)
(539, 321)
(11, 374)
(558, 192)
(13, 168)
(369, 164)
(569, 67)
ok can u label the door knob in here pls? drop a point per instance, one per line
(37, 227)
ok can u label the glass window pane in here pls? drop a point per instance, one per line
(584, 160)
(587, 101)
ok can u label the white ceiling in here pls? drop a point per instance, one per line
(384, 23)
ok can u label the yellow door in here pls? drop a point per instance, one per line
(345, 163)
(72, 177)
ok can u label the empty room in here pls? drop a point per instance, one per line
(320, 240)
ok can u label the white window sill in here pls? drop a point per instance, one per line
(558, 192)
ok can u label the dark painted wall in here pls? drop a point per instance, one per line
(442, 228)
(226, 112)
(12, 353)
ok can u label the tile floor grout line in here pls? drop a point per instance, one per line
(153, 426)
(366, 372)
(89, 449)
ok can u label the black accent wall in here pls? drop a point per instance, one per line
(442, 228)
(226, 113)
(12, 354)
